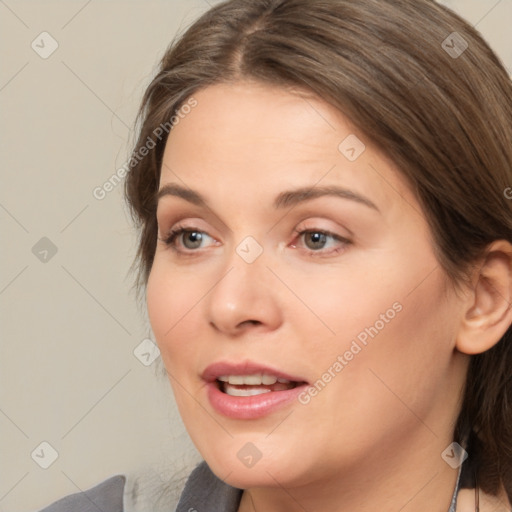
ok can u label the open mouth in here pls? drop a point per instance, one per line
(252, 385)
(248, 390)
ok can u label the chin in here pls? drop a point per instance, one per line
(238, 469)
(242, 477)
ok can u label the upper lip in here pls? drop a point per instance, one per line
(221, 368)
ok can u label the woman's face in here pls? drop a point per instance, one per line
(305, 258)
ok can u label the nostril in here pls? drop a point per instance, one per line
(243, 323)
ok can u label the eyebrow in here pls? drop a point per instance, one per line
(283, 200)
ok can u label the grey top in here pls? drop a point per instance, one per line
(203, 491)
(106, 496)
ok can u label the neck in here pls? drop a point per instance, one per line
(408, 480)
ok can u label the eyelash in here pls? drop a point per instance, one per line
(170, 240)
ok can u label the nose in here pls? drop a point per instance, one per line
(244, 299)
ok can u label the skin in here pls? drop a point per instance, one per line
(372, 438)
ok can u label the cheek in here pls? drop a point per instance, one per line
(170, 302)
(387, 326)
(395, 356)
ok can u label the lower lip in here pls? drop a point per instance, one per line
(250, 407)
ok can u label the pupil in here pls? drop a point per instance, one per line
(317, 240)
(193, 239)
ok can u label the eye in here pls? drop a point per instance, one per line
(188, 238)
(320, 241)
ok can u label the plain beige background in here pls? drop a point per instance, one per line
(69, 321)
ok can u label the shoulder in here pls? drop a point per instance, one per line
(151, 490)
(107, 496)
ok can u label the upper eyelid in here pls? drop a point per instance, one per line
(195, 221)
(305, 217)
(304, 208)
(189, 223)
(178, 227)
(164, 211)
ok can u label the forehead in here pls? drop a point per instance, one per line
(256, 116)
(256, 138)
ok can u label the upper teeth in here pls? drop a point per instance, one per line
(252, 380)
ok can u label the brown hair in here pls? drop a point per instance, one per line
(396, 69)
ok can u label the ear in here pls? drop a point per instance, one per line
(488, 312)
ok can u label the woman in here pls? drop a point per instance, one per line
(326, 252)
